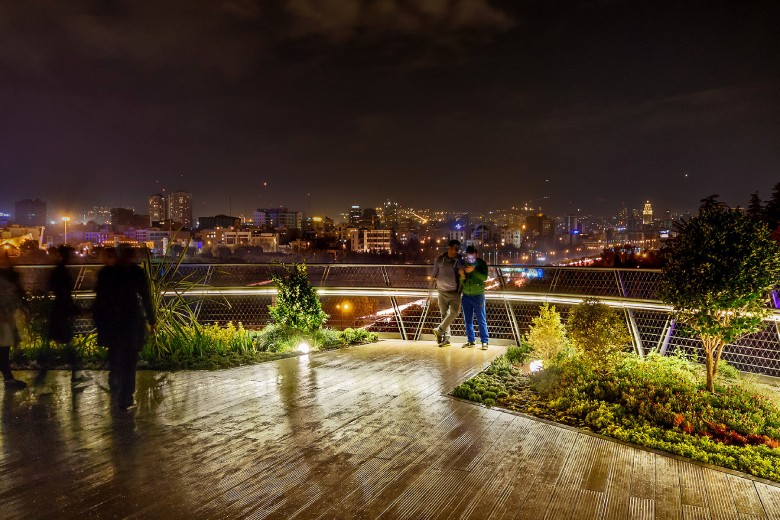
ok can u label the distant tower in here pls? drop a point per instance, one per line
(355, 216)
(180, 208)
(647, 213)
(157, 209)
(391, 214)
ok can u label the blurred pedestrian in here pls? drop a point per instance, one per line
(11, 302)
(445, 275)
(64, 310)
(473, 273)
(123, 307)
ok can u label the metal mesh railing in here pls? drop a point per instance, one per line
(399, 300)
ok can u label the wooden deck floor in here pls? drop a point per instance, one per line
(366, 432)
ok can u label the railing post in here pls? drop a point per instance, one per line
(394, 302)
(508, 306)
(667, 336)
(631, 321)
(80, 278)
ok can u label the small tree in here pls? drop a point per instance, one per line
(598, 331)
(717, 276)
(547, 336)
(297, 304)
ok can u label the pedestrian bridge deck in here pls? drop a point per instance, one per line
(366, 432)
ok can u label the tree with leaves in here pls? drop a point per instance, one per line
(597, 331)
(755, 208)
(297, 304)
(719, 271)
(772, 209)
(547, 335)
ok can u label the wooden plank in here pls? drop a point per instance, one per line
(565, 493)
(770, 500)
(690, 512)
(599, 465)
(719, 498)
(617, 496)
(668, 505)
(643, 475)
(531, 490)
(746, 496)
(692, 485)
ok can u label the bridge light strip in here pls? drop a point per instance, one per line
(382, 292)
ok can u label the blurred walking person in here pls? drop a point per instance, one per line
(123, 307)
(11, 301)
(445, 275)
(64, 310)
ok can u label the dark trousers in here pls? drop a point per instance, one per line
(121, 375)
(5, 362)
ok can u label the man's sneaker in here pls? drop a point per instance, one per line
(469, 344)
(484, 345)
(445, 343)
(15, 384)
(439, 335)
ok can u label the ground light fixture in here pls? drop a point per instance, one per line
(303, 347)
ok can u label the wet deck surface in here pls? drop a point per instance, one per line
(366, 432)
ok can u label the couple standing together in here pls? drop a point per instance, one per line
(456, 275)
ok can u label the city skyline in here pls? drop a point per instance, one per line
(318, 105)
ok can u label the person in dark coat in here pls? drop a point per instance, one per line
(123, 306)
(11, 301)
(64, 310)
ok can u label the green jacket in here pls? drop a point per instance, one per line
(474, 282)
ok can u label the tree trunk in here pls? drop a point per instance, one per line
(712, 349)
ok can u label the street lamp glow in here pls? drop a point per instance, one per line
(65, 221)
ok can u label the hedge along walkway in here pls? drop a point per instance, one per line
(365, 432)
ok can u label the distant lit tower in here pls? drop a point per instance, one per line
(157, 209)
(355, 216)
(390, 214)
(647, 213)
(180, 208)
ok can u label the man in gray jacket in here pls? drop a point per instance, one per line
(445, 274)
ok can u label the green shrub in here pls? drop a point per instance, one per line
(297, 304)
(547, 336)
(278, 338)
(518, 355)
(597, 331)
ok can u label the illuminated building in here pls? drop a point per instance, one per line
(355, 215)
(157, 209)
(647, 214)
(180, 208)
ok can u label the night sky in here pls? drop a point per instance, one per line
(459, 104)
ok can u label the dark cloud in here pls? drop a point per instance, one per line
(587, 101)
(229, 37)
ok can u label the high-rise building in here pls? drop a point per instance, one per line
(355, 215)
(180, 208)
(647, 213)
(30, 212)
(99, 215)
(369, 219)
(391, 217)
(121, 217)
(278, 218)
(221, 221)
(157, 209)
